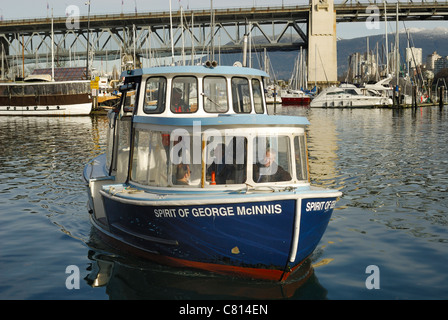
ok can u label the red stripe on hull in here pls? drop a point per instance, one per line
(296, 100)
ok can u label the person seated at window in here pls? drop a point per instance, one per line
(269, 170)
(177, 103)
(183, 174)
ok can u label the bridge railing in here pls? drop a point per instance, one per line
(149, 14)
(381, 2)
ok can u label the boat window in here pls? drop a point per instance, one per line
(110, 138)
(226, 160)
(351, 91)
(215, 94)
(335, 93)
(258, 98)
(272, 157)
(150, 158)
(184, 95)
(29, 90)
(155, 94)
(241, 95)
(122, 160)
(4, 91)
(129, 102)
(16, 90)
(186, 160)
(301, 157)
(166, 159)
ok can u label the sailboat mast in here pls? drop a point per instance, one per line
(387, 44)
(397, 45)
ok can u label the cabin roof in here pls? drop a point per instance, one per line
(226, 119)
(220, 70)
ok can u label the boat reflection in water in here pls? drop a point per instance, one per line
(128, 277)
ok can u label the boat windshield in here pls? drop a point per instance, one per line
(351, 91)
(241, 95)
(272, 159)
(184, 94)
(212, 94)
(215, 97)
(155, 94)
(183, 159)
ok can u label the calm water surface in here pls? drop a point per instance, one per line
(391, 166)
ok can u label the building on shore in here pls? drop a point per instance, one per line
(431, 60)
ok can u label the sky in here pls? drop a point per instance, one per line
(25, 9)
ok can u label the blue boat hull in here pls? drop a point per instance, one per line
(259, 239)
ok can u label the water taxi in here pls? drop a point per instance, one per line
(197, 174)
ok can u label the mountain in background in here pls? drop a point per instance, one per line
(429, 40)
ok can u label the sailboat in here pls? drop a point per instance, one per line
(294, 95)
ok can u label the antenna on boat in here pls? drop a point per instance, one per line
(212, 30)
(245, 46)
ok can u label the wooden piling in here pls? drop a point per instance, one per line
(414, 97)
(441, 95)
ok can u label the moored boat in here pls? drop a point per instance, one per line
(348, 95)
(43, 97)
(297, 97)
(198, 175)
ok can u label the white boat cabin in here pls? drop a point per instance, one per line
(197, 91)
(202, 128)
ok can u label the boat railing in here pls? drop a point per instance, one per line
(44, 88)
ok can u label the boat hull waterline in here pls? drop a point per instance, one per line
(260, 237)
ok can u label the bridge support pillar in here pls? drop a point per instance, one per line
(322, 51)
(4, 52)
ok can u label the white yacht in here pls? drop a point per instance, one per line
(348, 95)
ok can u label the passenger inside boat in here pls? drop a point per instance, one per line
(268, 170)
(228, 163)
(216, 172)
(178, 104)
(183, 174)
